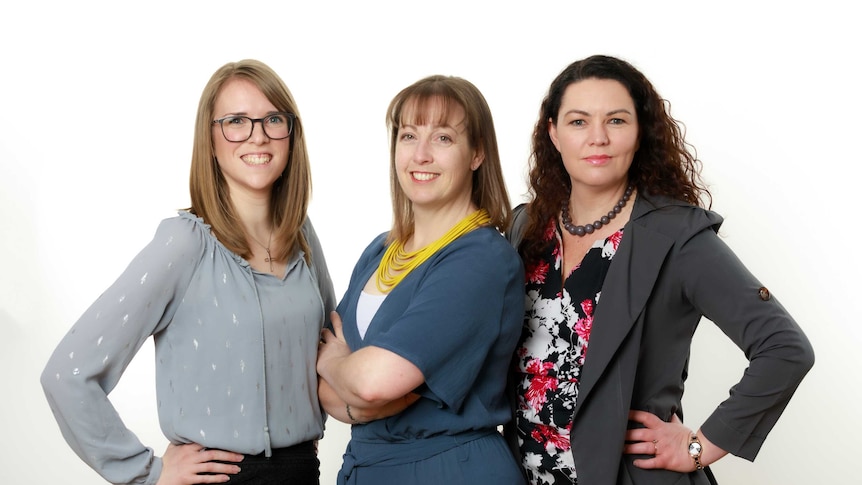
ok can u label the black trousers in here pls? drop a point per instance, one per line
(295, 465)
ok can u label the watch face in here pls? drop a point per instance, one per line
(694, 449)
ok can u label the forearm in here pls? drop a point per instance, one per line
(711, 452)
(332, 404)
(370, 377)
(337, 408)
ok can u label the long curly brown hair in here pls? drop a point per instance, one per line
(663, 165)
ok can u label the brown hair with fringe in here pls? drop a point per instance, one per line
(489, 188)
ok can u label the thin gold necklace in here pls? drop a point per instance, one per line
(268, 258)
(398, 263)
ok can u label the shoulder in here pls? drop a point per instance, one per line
(519, 224)
(184, 230)
(484, 247)
(308, 231)
(377, 244)
(188, 236)
(311, 239)
(673, 218)
(484, 239)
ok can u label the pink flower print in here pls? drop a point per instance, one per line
(550, 231)
(550, 437)
(615, 239)
(588, 307)
(538, 272)
(540, 383)
(585, 324)
(583, 328)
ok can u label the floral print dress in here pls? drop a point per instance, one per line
(551, 353)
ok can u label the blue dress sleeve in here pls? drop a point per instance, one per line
(464, 314)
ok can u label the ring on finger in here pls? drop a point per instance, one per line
(655, 445)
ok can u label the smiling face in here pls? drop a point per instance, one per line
(596, 133)
(434, 159)
(254, 165)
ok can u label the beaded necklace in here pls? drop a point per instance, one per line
(595, 226)
(398, 263)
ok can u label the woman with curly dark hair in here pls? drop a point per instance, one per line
(622, 257)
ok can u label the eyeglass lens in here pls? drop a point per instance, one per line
(239, 128)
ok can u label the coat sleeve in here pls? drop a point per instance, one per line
(88, 362)
(779, 354)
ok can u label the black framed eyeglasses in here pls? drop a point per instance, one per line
(276, 126)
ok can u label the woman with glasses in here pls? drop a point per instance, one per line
(234, 291)
(434, 306)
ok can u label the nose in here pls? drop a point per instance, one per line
(258, 135)
(422, 152)
(598, 134)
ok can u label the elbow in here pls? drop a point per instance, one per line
(806, 357)
(792, 349)
(804, 353)
(48, 380)
(371, 394)
(799, 358)
(377, 390)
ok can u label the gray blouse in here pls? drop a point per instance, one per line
(235, 352)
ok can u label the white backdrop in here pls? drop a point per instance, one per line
(97, 102)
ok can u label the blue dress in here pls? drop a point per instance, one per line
(457, 317)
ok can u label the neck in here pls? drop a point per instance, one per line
(430, 225)
(586, 204)
(255, 216)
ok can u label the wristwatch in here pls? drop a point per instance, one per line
(695, 449)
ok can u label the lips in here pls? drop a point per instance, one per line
(256, 159)
(597, 159)
(424, 176)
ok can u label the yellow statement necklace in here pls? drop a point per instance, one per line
(398, 263)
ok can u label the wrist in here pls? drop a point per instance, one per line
(350, 415)
(695, 451)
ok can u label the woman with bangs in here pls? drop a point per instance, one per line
(433, 310)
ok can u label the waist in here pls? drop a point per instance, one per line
(301, 450)
(299, 462)
(366, 452)
(278, 454)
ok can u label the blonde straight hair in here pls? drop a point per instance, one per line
(208, 188)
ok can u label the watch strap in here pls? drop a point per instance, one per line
(695, 456)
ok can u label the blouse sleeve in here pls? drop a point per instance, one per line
(88, 362)
(779, 353)
(467, 308)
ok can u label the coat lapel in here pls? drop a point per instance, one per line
(625, 292)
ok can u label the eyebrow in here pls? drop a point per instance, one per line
(245, 113)
(609, 113)
(435, 125)
(457, 129)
